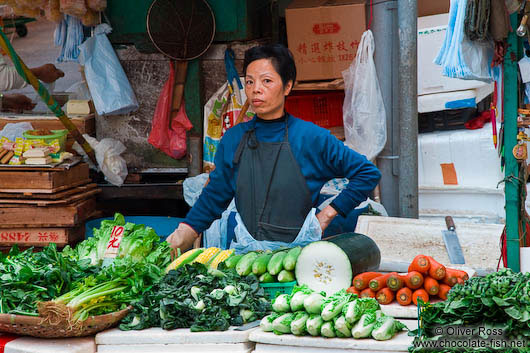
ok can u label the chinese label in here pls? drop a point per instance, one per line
(326, 51)
(13, 236)
(114, 242)
(326, 28)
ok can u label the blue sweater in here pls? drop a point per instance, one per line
(321, 157)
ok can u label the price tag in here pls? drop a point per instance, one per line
(116, 235)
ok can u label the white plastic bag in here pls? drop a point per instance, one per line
(363, 110)
(13, 130)
(311, 231)
(107, 151)
(110, 89)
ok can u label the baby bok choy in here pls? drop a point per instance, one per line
(333, 305)
(386, 327)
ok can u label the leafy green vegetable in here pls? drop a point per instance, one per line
(333, 305)
(266, 322)
(363, 328)
(193, 297)
(281, 303)
(314, 324)
(327, 330)
(283, 324)
(386, 327)
(298, 324)
(342, 327)
(298, 296)
(313, 303)
(356, 308)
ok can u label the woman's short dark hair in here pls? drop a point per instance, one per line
(280, 57)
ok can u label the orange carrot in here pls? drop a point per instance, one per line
(420, 293)
(379, 282)
(362, 280)
(453, 275)
(437, 270)
(431, 285)
(421, 264)
(404, 296)
(353, 290)
(367, 293)
(394, 282)
(385, 296)
(444, 289)
(413, 280)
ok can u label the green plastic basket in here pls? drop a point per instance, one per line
(272, 290)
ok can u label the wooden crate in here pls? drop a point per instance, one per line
(31, 216)
(85, 124)
(40, 237)
(42, 180)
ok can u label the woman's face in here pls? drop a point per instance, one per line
(265, 90)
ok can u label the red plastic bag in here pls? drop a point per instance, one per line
(168, 131)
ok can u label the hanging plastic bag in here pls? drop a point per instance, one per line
(110, 89)
(168, 131)
(363, 109)
(310, 232)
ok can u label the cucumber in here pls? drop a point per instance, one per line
(244, 266)
(285, 276)
(275, 265)
(289, 261)
(232, 261)
(266, 278)
(259, 266)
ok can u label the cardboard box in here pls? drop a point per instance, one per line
(324, 36)
(432, 7)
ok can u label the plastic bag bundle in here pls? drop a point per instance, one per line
(52, 11)
(69, 36)
(110, 89)
(73, 7)
(97, 5)
(363, 109)
(460, 57)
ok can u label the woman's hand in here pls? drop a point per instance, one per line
(326, 216)
(17, 103)
(182, 238)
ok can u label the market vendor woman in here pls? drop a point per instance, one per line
(275, 165)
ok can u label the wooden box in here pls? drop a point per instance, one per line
(40, 237)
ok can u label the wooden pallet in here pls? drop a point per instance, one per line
(40, 237)
(44, 203)
(15, 215)
(43, 181)
(47, 196)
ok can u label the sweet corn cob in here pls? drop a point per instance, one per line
(222, 256)
(183, 259)
(207, 255)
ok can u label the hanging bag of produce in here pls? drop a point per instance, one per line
(364, 110)
(169, 134)
(110, 89)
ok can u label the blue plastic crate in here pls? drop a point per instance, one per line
(163, 226)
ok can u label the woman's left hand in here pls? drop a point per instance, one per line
(326, 216)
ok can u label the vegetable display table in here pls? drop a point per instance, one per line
(269, 342)
(156, 340)
(10, 344)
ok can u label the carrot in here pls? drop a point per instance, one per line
(453, 275)
(385, 296)
(420, 293)
(413, 280)
(404, 296)
(431, 285)
(361, 281)
(460, 281)
(444, 289)
(421, 264)
(367, 293)
(437, 270)
(394, 282)
(353, 290)
(379, 282)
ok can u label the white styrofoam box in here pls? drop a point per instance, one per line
(469, 98)
(177, 348)
(431, 34)
(475, 159)
(49, 345)
(480, 242)
(181, 336)
(290, 343)
(271, 348)
(466, 204)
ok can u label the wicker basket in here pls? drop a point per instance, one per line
(36, 326)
